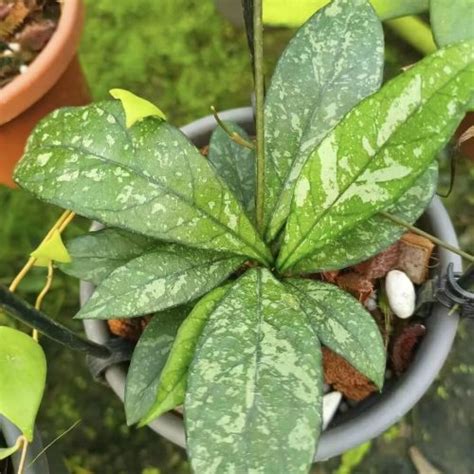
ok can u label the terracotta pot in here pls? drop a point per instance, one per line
(54, 79)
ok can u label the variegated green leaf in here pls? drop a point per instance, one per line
(378, 151)
(148, 179)
(22, 378)
(166, 276)
(149, 358)
(172, 387)
(235, 164)
(375, 234)
(333, 61)
(452, 21)
(97, 254)
(253, 396)
(343, 325)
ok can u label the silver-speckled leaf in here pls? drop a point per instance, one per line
(378, 151)
(333, 61)
(96, 255)
(148, 179)
(149, 358)
(343, 325)
(253, 396)
(166, 276)
(235, 164)
(452, 21)
(172, 387)
(375, 234)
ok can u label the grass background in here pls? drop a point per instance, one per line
(184, 56)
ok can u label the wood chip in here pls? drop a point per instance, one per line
(356, 284)
(404, 346)
(414, 258)
(381, 264)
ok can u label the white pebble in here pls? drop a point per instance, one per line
(400, 293)
(23, 68)
(331, 402)
(371, 302)
(14, 47)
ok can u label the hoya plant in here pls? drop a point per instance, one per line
(218, 249)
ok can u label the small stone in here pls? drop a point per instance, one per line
(15, 47)
(414, 259)
(400, 293)
(371, 302)
(331, 402)
(23, 68)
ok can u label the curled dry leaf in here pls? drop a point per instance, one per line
(404, 346)
(356, 284)
(415, 254)
(344, 378)
(381, 264)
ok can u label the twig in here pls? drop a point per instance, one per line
(234, 136)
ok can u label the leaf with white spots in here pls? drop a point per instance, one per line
(235, 164)
(378, 151)
(343, 325)
(96, 255)
(333, 61)
(172, 385)
(452, 21)
(359, 243)
(149, 358)
(165, 276)
(147, 179)
(253, 398)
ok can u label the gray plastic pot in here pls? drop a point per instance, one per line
(378, 413)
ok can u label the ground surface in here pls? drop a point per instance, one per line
(183, 56)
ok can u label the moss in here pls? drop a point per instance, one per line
(392, 434)
(353, 458)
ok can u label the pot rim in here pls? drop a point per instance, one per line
(383, 410)
(45, 70)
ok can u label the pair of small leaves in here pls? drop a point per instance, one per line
(22, 379)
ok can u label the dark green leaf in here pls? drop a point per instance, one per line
(22, 379)
(97, 254)
(334, 61)
(149, 358)
(172, 386)
(166, 276)
(452, 21)
(343, 325)
(253, 396)
(148, 179)
(235, 164)
(378, 151)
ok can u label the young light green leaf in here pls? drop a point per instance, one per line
(452, 21)
(235, 164)
(343, 325)
(148, 179)
(378, 151)
(253, 396)
(172, 384)
(7, 452)
(22, 379)
(333, 61)
(148, 360)
(166, 276)
(96, 255)
(136, 108)
(52, 250)
(358, 243)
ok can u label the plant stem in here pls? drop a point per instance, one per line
(42, 294)
(433, 239)
(24, 449)
(415, 32)
(234, 136)
(259, 117)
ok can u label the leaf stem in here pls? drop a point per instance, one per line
(433, 239)
(24, 449)
(259, 113)
(234, 136)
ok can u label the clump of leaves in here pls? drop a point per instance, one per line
(237, 330)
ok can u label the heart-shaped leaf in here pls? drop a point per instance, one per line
(333, 61)
(96, 255)
(22, 379)
(235, 164)
(375, 234)
(148, 179)
(52, 250)
(253, 396)
(378, 151)
(165, 276)
(172, 385)
(148, 360)
(343, 325)
(452, 21)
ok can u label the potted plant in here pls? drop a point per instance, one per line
(39, 69)
(231, 254)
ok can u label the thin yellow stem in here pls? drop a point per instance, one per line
(24, 449)
(42, 294)
(234, 136)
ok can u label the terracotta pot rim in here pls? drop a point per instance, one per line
(48, 66)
